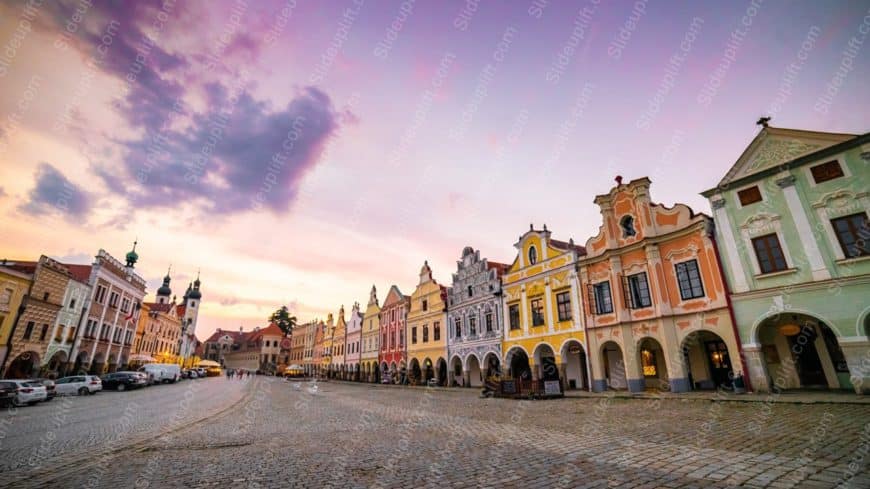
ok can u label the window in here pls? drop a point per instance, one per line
(436, 331)
(113, 299)
(537, 312)
(125, 305)
(384, 342)
(826, 171)
(458, 327)
(101, 294)
(472, 326)
(853, 233)
(488, 320)
(533, 255)
(470, 291)
(563, 305)
(58, 336)
(44, 332)
(689, 280)
(769, 253)
(627, 225)
(638, 290)
(414, 335)
(28, 331)
(425, 305)
(45, 297)
(72, 334)
(603, 299)
(401, 338)
(425, 333)
(514, 316)
(72, 304)
(749, 195)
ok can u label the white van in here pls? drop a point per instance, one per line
(161, 372)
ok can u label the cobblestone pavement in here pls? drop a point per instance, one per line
(43, 436)
(346, 435)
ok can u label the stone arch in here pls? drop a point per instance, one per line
(57, 361)
(753, 334)
(428, 369)
(707, 364)
(415, 373)
(456, 370)
(862, 326)
(23, 366)
(801, 350)
(98, 363)
(475, 375)
(491, 364)
(517, 362)
(546, 362)
(613, 361)
(653, 363)
(468, 357)
(574, 359)
(441, 369)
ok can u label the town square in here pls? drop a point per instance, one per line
(403, 243)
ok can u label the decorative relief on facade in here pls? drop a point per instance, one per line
(776, 151)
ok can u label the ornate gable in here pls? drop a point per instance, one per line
(773, 146)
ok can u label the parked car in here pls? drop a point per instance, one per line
(213, 371)
(202, 371)
(78, 384)
(7, 393)
(50, 391)
(122, 381)
(28, 392)
(162, 372)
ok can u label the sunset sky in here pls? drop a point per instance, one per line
(298, 152)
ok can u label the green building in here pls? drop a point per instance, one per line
(793, 235)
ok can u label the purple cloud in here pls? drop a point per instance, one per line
(238, 156)
(54, 192)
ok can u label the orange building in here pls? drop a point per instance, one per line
(657, 316)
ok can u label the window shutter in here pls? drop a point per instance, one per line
(626, 293)
(590, 299)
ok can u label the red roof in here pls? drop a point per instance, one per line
(82, 273)
(499, 268)
(179, 310)
(568, 246)
(157, 307)
(23, 266)
(272, 330)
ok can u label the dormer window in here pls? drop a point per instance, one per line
(533, 255)
(627, 225)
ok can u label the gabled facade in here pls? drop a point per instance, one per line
(475, 296)
(544, 329)
(326, 347)
(69, 318)
(14, 286)
(353, 339)
(393, 318)
(425, 333)
(338, 346)
(657, 313)
(31, 335)
(159, 331)
(371, 343)
(113, 314)
(792, 225)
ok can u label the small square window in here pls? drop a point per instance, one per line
(749, 195)
(826, 171)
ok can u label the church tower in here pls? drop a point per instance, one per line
(192, 299)
(164, 292)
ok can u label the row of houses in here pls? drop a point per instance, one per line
(772, 292)
(57, 318)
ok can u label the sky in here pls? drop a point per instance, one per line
(297, 152)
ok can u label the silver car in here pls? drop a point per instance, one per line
(78, 384)
(28, 392)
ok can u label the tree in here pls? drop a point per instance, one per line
(283, 320)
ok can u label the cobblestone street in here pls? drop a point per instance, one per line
(266, 433)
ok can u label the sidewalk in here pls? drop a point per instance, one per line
(787, 397)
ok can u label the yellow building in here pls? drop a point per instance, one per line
(14, 285)
(326, 347)
(426, 334)
(371, 339)
(544, 333)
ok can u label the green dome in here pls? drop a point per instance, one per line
(132, 256)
